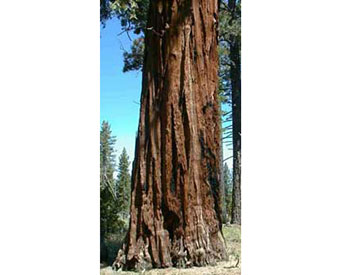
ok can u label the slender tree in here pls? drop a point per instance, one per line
(107, 183)
(230, 73)
(175, 214)
(235, 73)
(109, 222)
(123, 185)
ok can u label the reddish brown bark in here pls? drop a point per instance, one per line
(175, 202)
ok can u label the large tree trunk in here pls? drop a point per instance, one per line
(235, 75)
(175, 203)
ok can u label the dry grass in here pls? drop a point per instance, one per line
(232, 235)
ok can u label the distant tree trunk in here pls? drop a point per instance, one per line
(235, 73)
(175, 217)
(222, 186)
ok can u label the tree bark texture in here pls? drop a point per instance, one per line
(175, 215)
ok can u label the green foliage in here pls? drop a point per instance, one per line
(107, 155)
(108, 211)
(132, 13)
(229, 38)
(105, 11)
(112, 227)
(230, 65)
(133, 60)
(123, 184)
(133, 17)
(230, 21)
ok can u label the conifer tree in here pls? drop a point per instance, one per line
(230, 76)
(123, 185)
(108, 210)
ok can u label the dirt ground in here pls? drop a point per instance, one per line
(232, 235)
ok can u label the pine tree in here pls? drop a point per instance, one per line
(230, 75)
(108, 210)
(123, 185)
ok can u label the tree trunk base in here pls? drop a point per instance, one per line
(179, 256)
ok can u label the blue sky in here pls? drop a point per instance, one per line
(120, 92)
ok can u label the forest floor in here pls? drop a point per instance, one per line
(232, 235)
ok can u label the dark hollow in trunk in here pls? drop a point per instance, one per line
(175, 215)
